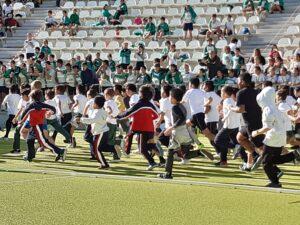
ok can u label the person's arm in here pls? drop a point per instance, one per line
(59, 107)
(93, 119)
(128, 113)
(260, 131)
(76, 103)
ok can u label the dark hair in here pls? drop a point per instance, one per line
(60, 88)
(144, 67)
(60, 61)
(257, 68)
(50, 11)
(131, 87)
(282, 94)
(246, 77)
(234, 90)
(50, 93)
(99, 101)
(36, 95)
(14, 89)
(119, 88)
(75, 67)
(177, 94)
(95, 87)
(93, 93)
(210, 85)
(25, 89)
(110, 92)
(268, 83)
(183, 88)
(167, 89)
(81, 89)
(146, 92)
(195, 82)
(228, 90)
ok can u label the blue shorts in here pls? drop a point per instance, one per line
(28, 126)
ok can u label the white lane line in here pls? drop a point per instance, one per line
(32, 180)
(155, 180)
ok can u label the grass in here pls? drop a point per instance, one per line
(58, 198)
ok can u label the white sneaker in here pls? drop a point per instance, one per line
(118, 150)
(152, 166)
(216, 156)
(184, 162)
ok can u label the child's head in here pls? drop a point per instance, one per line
(257, 70)
(125, 45)
(187, 67)
(36, 95)
(297, 92)
(50, 13)
(157, 67)
(143, 69)
(226, 92)
(176, 96)
(209, 86)
(21, 57)
(80, 89)
(60, 62)
(109, 94)
(162, 19)
(25, 91)
(267, 84)
(150, 19)
(60, 89)
(50, 94)
(220, 74)
(283, 71)
(75, 69)
(165, 90)
(130, 89)
(194, 83)
(281, 95)
(173, 68)
(237, 51)
(173, 47)
(14, 89)
(98, 102)
(91, 93)
(118, 89)
(136, 71)
(119, 69)
(68, 67)
(146, 92)
(231, 73)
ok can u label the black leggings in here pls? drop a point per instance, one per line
(9, 124)
(271, 157)
(65, 123)
(146, 147)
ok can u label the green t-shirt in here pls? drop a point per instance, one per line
(164, 27)
(120, 78)
(150, 27)
(157, 77)
(125, 56)
(46, 50)
(74, 18)
(174, 78)
(112, 65)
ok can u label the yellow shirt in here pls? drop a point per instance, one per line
(120, 103)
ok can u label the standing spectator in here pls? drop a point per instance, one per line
(140, 56)
(87, 76)
(188, 19)
(173, 55)
(125, 56)
(30, 45)
(238, 61)
(227, 57)
(213, 64)
(214, 26)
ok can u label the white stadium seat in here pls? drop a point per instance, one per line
(169, 2)
(143, 2)
(224, 10)
(236, 10)
(103, 55)
(160, 11)
(74, 45)
(110, 34)
(131, 3)
(113, 45)
(197, 55)
(68, 5)
(135, 12)
(95, 14)
(173, 11)
(124, 33)
(221, 44)
(154, 55)
(194, 44)
(56, 34)
(253, 20)
(155, 2)
(296, 43)
(98, 34)
(100, 45)
(201, 21)
(80, 54)
(84, 14)
(148, 12)
(42, 35)
(287, 54)
(66, 56)
(175, 22)
(208, 2)
(284, 42)
(199, 10)
(87, 45)
(116, 56)
(180, 44)
(80, 4)
(91, 4)
(292, 30)
(211, 10)
(127, 23)
(59, 45)
(297, 19)
(240, 20)
(103, 3)
(81, 34)
(18, 6)
(153, 45)
(178, 32)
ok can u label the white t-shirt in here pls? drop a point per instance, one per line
(65, 102)
(284, 107)
(81, 99)
(134, 99)
(53, 103)
(213, 114)
(89, 105)
(274, 119)
(111, 105)
(230, 119)
(290, 100)
(166, 107)
(12, 102)
(30, 46)
(195, 100)
(7, 8)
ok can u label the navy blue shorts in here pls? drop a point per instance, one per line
(188, 26)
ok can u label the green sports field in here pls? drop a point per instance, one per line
(76, 192)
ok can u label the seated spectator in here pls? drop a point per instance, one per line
(122, 10)
(253, 66)
(209, 48)
(274, 52)
(144, 77)
(173, 77)
(271, 75)
(277, 6)
(65, 20)
(227, 57)
(120, 76)
(238, 61)
(162, 29)
(213, 64)
(283, 78)
(188, 19)
(214, 26)
(201, 75)
(107, 15)
(149, 29)
(248, 6)
(231, 80)
(125, 54)
(50, 20)
(219, 80)
(263, 7)
(46, 49)
(295, 63)
(165, 51)
(269, 65)
(104, 73)
(229, 26)
(87, 76)
(157, 75)
(234, 43)
(7, 8)
(257, 53)
(258, 77)
(295, 77)
(187, 74)
(97, 62)
(278, 64)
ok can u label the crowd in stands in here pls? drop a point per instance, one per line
(210, 96)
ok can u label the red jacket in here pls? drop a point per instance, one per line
(143, 114)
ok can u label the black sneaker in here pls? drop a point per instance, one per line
(274, 185)
(103, 167)
(25, 158)
(17, 151)
(221, 164)
(279, 174)
(164, 176)
(58, 157)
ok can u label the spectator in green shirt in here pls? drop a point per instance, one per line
(122, 10)
(112, 63)
(12, 73)
(97, 61)
(263, 7)
(149, 29)
(74, 23)
(146, 78)
(65, 20)
(174, 76)
(277, 6)
(209, 48)
(163, 28)
(157, 75)
(125, 56)
(219, 80)
(120, 76)
(248, 6)
(46, 49)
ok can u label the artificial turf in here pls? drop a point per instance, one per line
(59, 198)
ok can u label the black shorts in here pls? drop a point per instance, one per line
(188, 26)
(213, 127)
(257, 141)
(4, 89)
(124, 66)
(198, 121)
(139, 64)
(29, 55)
